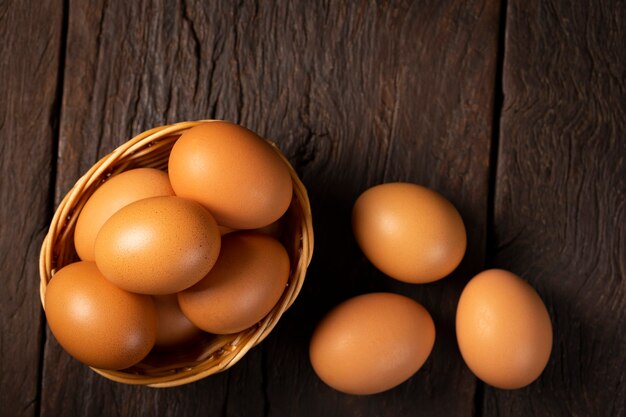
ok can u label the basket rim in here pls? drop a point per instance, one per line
(155, 140)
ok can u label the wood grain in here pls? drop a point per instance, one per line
(127, 64)
(30, 36)
(408, 97)
(355, 95)
(560, 212)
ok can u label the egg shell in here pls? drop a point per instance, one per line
(372, 343)
(173, 328)
(233, 172)
(115, 193)
(503, 329)
(409, 232)
(158, 245)
(98, 323)
(244, 285)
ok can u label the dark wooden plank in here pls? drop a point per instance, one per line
(399, 91)
(560, 216)
(129, 67)
(30, 35)
(355, 95)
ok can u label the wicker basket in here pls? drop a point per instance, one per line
(213, 353)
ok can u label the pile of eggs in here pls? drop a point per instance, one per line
(374, 342)
(167, 257)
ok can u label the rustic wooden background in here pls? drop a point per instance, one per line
(513, 110)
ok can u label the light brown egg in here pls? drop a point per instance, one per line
(98, 323)
(409, 232)
(158, 245)
(244, 285)
(173, 328)
(233, 172)
(503, 329)
(117, 192)
(372, 343)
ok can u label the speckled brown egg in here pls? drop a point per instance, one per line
(409, 232)
(158, 245)
(372, 343)
(117, 192)
(244, 285)
(233, 172)
(503, 329)
(98, 323)
(173, 328)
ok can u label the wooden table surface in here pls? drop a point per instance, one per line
(515, 111)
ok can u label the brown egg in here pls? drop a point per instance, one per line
(409, 232)
(244, 285)
(98, 323)
(372, 343)
(503, 329)
(117, 192)
(158, 245)
(233, 172)
(173, 328)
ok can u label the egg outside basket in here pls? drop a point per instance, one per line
(214, 353)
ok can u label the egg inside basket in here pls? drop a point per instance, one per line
(212, 353)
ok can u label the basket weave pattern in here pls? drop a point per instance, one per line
(214, 353)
